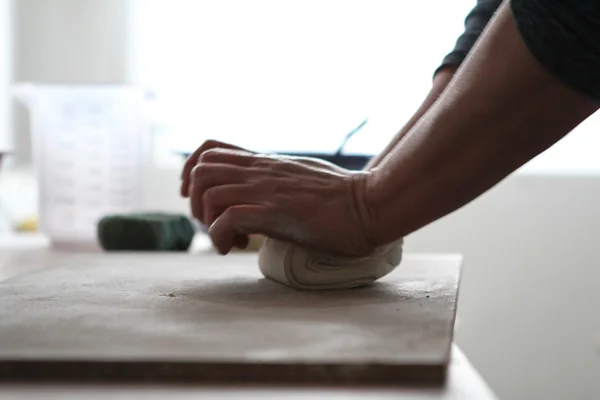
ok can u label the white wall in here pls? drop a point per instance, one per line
(529, 314)
(529, 311)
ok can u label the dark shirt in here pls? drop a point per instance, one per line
(563, 35)
(475, 23)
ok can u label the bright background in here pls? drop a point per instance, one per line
(292, 75)
(297, 75)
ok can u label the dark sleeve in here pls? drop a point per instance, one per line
(475, 23)
(564, 36)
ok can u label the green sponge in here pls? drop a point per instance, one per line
(145, 232)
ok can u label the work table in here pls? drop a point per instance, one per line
(20, 255)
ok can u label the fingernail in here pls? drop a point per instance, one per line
(222, 250)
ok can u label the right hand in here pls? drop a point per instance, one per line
(242, 240)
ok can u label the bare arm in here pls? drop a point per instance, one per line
(501, 109)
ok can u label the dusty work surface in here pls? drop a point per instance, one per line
(210, 318)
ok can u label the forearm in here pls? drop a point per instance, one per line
(501, 109)
(440, 81)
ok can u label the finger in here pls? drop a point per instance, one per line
(241, 158)
(206, 176)
(237, 220)
(217, 199)
(193, 160)
(217, 156)
(207, 145)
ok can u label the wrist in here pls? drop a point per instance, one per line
(365, 213)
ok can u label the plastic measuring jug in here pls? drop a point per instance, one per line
(88, 145)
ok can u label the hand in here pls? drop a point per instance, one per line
(215, 144)
(308, 203)
(240, 241)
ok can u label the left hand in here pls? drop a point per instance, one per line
(238, 193)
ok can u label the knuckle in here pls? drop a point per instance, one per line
(262, 160)
(209, 144)
(210, 196)
(199, 185)
(208, 155)
(198, 171)
(195, 174)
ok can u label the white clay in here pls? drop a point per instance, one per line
(299, 268)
